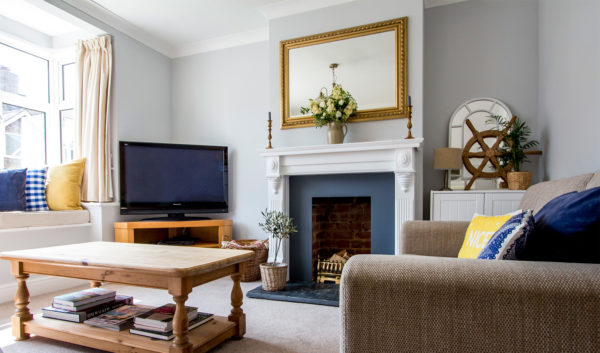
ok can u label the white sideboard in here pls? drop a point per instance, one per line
(461, 205)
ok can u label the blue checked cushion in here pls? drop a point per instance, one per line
(510, 238)
(35, 190)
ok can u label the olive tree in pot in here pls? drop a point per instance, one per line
(515, 150)
(279, 226)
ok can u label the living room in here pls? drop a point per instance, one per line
(539, 57)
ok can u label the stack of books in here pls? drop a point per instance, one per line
(82, 305)
(158, 323)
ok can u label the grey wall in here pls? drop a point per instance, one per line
(478, 48)
(569, 86)
(221, 98)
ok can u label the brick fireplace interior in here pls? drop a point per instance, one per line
(340, 223)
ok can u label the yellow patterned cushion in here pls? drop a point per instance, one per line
(479, 232)
(63, 191)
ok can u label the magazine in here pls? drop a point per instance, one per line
(85, 296)
(199, 320)
(161, 318)
(118, 318)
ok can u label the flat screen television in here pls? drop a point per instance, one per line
(159, 178)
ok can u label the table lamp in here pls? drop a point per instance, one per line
(446, 158)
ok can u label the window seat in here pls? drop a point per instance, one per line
(19, 219)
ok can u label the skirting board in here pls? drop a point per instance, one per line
(39, 285)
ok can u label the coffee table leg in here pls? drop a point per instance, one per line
(237, 314)
(181, 343)
(22, 312)
(95, 284)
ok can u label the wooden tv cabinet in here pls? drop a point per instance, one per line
(206, 233)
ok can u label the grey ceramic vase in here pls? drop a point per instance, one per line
(336, 132)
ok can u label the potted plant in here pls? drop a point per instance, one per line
(332, 110)
(514, 151)
(279, 226)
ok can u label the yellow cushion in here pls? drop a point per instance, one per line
(480, 230)
(63, 191)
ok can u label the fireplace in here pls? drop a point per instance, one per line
(352, 212)
(341, 227)
(398, 160)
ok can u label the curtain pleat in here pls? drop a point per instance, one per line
(94, 61)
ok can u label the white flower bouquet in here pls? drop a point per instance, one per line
(337, 107)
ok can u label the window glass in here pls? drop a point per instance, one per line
(24, 133)
(67, 135)
(68, 86)
(23, 74)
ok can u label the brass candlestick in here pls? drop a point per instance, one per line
(409, 125)
(269, 146)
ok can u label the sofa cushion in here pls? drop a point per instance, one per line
(480, 230)
(35, 190)
(567, 229)
(42, 218)
(512, 235)
(594, 182)
(63, 191)
(12, 189)
(539, 194)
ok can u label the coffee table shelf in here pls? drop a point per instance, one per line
(202, 337)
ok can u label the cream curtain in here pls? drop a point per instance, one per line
(94, 62)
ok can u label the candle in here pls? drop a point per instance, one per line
(409, 101)
(269, 116)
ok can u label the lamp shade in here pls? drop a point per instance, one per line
(447, 158)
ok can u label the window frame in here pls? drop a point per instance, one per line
(56, 59)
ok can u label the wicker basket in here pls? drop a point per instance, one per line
(518, 180)
(251, 270)
(273, 277)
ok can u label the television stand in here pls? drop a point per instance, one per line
(205, 233)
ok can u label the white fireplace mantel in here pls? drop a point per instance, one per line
(397, 156)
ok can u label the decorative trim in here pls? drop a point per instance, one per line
(222, 42)
(404, 180)
(275, 184)
(399, 25)
(39, 285)
(291, 7)
(436, 3)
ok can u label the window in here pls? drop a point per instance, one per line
(37, 90)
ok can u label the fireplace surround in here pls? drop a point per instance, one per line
(400, 157)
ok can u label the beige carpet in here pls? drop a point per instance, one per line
(272, 326)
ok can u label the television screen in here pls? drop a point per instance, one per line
(172, 178)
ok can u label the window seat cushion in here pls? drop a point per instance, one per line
(19, 219)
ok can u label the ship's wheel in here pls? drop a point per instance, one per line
(489, 154)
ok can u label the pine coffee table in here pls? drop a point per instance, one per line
(175, 268)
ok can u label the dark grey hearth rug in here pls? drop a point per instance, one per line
(302, 292)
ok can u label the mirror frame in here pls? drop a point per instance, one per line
(396, 112)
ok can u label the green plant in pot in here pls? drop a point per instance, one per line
(517, 146)
(279, 226)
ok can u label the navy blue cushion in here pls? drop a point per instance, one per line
(567, 229)
(12, 190)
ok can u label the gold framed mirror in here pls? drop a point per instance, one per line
(371, 63)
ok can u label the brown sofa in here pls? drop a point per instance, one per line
(428, 300)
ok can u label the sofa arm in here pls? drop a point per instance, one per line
(433, 238)
(410, 303)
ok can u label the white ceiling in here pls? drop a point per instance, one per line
(184, 27)
(35, 17)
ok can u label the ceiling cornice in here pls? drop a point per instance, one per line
(291, 7)
(93, 9)
(435, 3)
(228, 41)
